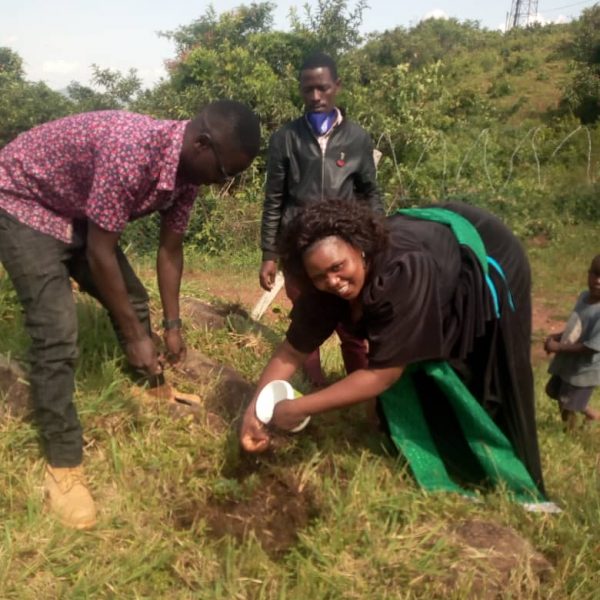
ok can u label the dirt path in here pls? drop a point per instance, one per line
(544, 322)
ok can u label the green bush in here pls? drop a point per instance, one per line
(580, 204)
(500, 88)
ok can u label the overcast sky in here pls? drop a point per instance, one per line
(59, 40)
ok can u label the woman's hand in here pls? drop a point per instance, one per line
(254, 436)
(287, 415)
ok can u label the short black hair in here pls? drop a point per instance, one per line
(354, 222)
(318, 60)
(233, 122)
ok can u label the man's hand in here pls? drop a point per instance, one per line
(142, 355)
(287, 416)
(266, 275)
(175, 346)
(254, 437)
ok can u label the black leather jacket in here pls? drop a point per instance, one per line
(298, 173)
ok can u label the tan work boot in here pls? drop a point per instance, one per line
(68, 496)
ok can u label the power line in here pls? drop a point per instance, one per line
(569, 6)
(525, 12)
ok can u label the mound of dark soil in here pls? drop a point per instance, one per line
(492, 556)
(274, 511)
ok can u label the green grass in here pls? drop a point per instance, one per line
(357, 525)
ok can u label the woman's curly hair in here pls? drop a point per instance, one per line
(351, 221)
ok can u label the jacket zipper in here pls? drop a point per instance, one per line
(323, 152)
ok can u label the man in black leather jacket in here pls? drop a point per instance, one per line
(320, 155)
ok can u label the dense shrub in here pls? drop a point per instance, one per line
(455, 109)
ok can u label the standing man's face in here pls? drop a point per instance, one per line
(318, 89)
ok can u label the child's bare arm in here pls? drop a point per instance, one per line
(553, 345)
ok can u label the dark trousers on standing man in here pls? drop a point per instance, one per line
(40, 268)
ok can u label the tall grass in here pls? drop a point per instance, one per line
(367, 531)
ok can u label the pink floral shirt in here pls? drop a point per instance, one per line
(109, 166)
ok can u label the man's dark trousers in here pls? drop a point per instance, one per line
(41, 268)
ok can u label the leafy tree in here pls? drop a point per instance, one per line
(428, 42)
(11, 64)
(24, 104)
(237, 54)
(332, 26)
(233, 27)
(114, 90)
(583, 94)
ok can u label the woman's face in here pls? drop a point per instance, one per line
(335, 267)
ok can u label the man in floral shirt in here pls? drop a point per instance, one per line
(68, 188)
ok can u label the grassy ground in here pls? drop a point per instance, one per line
(332, 513)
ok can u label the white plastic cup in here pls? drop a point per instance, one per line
(270, 395)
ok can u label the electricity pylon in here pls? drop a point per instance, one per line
(522, 13)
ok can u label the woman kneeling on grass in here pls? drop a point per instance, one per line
(415, 293)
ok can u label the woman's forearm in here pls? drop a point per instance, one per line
(282, 365)
(357, 387)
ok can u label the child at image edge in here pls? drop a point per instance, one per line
(575, 368)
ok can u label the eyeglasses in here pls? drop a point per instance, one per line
(225, 176)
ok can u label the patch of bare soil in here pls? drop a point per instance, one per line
(273, 511)
(543, 324)
(539, 241)
(240, 290)
(495, 557)
(15, 399)
(544, 319)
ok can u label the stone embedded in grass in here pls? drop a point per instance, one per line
(15, 397)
